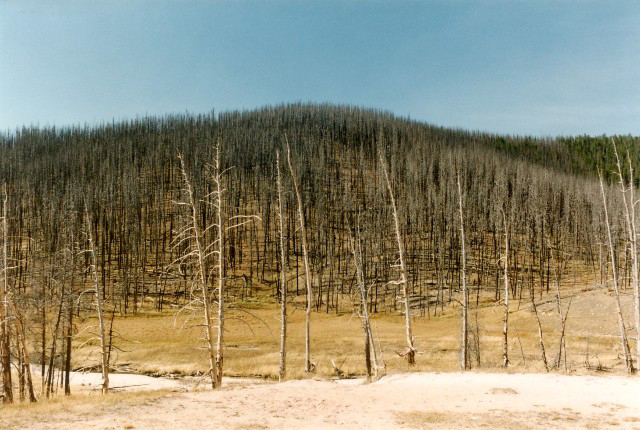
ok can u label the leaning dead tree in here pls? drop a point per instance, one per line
(632, 239)
(628, 361)
(371, 358)
(102, 336)
(308, 365)
(464, 349)
(5, 318)
(410, 353)
(283, 278)
(543, 351)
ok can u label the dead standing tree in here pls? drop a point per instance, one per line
(202, 250)
(5, 318)
(561, 263)
(371, 357)
(194, 234)
(283, 280)
(102, 337)
(410, 353)
(217, 203)
(308, 366)
(623, 332)
(24, 351)
(464, 350)
(632, 240)
(505, 330)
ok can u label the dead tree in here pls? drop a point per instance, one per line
(217, 203)
(562, 315)
(104, 346)
(621, 324)
(308, 366)
(283, 278)
(195, 234)
(464, 350)
(543, 352)
(410, 353)
(630, 218)
(369, 344)
(24, 350)
(505, 330)
(5, 318)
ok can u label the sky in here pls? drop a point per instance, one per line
(538, 67)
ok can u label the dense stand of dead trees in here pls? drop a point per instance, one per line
(422, 247)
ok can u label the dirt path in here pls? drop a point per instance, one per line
(421, 400)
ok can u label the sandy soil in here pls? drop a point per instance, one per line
(419, 400)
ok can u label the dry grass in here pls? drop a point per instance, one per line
(84, 404)
(154, 343)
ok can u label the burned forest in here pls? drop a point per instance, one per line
(308, 211)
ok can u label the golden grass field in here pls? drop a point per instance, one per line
(166, 343)
(83, 403)
(169, 343)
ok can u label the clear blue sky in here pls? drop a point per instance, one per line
(542, 67)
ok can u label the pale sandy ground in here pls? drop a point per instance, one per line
(417, 400)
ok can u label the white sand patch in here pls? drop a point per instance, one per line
(419, 400)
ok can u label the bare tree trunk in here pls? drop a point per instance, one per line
(221, 267)
(69, 336)
(5, 332)
(630, 211)
(283, 279)
(308, 366)
(562, 316)
(464, 348)
(623, 332)
(410, 353)
(67, 365)
(99, 307)
(25, 352)
(200, 250)
(505, 345)
(370, 347)
(54, 342)
(543, 353)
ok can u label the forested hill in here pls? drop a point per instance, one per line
(125, 177)
(350, 126)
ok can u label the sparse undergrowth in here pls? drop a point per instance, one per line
(155, 344)
(83, 404)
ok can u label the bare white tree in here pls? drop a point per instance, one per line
(632, 233)
(410, 353)
(505, 330)
(217, 202)
(308, 366)
(623, 332)
(102, 337)
(194, 233)
(283, 278)
(464, 347)
(371, 357)
(5, 332)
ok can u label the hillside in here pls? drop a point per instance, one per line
(119, 190)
